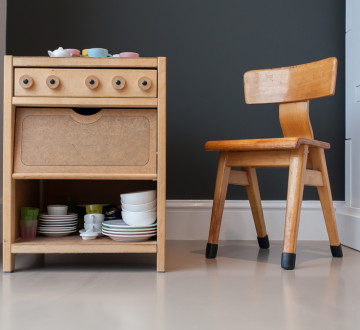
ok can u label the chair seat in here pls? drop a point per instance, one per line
(263, 144)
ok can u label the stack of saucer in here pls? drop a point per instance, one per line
(118, 230)
(139, 208)
(57, 225)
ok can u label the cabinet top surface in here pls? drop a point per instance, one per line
(85, 62)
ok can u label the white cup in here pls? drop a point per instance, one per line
(93, 221)
(96, 227)
(57, 209)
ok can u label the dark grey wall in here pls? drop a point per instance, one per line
(209, 45)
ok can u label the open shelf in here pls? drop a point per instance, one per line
(75, 244)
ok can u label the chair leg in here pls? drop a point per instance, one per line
(319, 163)
(255, 203)
(222, 179)
(298, 158)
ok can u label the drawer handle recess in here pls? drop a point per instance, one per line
(92, 82)
(26, 81)
(118, 82)
(144, 83)
(53, 82)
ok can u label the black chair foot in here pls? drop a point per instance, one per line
(336, 251)
(263, 242)
(211, 250)
(288, 260)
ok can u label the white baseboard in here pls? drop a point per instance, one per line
(190, 220)
(348, 220)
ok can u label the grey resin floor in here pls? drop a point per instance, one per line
(244, 288)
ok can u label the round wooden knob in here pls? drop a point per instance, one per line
(26, 81)
(92, 82)
(118, 82)
(53, 82)
(144, 83)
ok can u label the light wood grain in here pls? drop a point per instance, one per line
(313, 178)
(84, 176)
(86, 62)
(76, 83)
(294, 197)
(9, 221)
(75, 244)
(238, 178)
(295, 120)
(58, 102)
(291, 84)
(253, 193)
(222, 179)
(259, 159)
(319, 163)
(161, 171)
(118, 141)
(263, 144)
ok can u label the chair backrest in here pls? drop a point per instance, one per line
(292, 87)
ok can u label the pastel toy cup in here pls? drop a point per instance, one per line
(94, 208)
(29, 213)
(28, 228)
(73, 52)
(98, 52)
(84, 53)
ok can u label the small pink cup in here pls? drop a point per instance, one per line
(74, 52)
(28, 229)
(129, 54)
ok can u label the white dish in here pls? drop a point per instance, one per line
(109, 232)
(137, 238)
(46, 215)
(139, 207)
(140, 197)
(139, 218)
(122, 224)
(56, 230)
(81, 231)
(57, 234)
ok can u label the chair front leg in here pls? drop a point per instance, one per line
(222, 179)
(298, 159)
(253, 193)
(319, 163)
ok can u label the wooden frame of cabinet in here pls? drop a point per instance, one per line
(21, 189)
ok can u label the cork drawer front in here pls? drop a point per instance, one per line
(63, 141)
(85, 82)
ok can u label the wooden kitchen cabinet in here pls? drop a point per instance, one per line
(89, 128)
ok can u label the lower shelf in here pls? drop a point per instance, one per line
(75, 244)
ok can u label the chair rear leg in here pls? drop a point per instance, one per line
(319, 163)
(255, 203)
(298, 158)
(222, 179)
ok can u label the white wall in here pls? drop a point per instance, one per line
(2, 53)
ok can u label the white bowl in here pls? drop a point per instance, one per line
(140, 197)
(139, 207)
(57, 209)
(139, 218)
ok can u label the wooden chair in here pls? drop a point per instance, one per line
(291, 87)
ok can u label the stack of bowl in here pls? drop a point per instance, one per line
(139, 208)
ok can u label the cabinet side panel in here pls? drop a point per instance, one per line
(8, 182)
(161, 185)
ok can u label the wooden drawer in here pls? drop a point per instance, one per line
(85, 82)
(121, 141)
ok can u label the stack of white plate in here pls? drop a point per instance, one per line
(57, 225)
(139, 208)
(118, 230)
